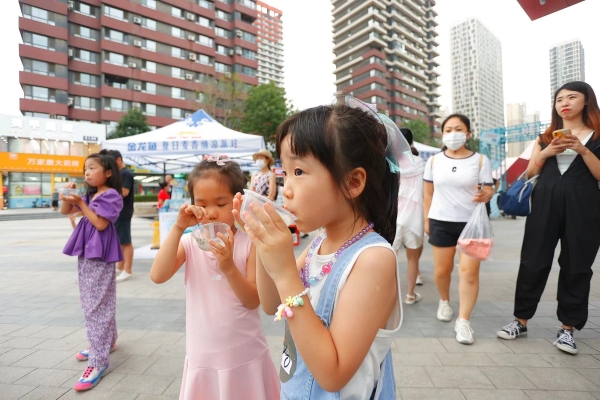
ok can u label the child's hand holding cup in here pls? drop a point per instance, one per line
(189, 215)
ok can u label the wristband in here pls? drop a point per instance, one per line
(285, 309)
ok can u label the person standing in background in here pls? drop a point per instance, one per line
(163, 194)
(55, 200)
(123, 223)
(264, 181)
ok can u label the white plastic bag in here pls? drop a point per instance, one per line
(477, 239)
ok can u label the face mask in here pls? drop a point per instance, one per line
(260, 163)
(454, 140)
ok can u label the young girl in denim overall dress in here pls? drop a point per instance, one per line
(341, 298)
(95, 242)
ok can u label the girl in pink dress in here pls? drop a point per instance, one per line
(227, 356)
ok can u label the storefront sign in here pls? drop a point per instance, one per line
(51, 129)
(22, 162)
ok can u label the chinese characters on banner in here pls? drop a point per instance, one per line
(182, 145)
(22, 162)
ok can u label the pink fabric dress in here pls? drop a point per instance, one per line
(227, 353)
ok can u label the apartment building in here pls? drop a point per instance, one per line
(567, 64)
(270, 44)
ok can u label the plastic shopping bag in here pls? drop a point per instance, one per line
(477, 238)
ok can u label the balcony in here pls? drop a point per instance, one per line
(29, 78)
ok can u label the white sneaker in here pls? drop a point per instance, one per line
(412, 299)
(444, 312)
(464, 332)
(419, 280)
(124, 276)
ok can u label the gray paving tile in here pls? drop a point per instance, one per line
(415, 377)
(569, 361)
(45, 392)
(48, 377)
(558, 395)
(136, 365)
(54, 332)
(43, 359)
(73, 344)
(594, 343)
(494, 394)
(174, 388)
(160, 337)
(15, 311)
(109, 381)
(415, 359)
(138, 349)
(558, 379)
(166, 366)
(430, 394)
(418, 345)
(507, 378)
(15, 355)
(23, 342)
(99, 395)
(458, 377)
(592, 374)
(178, 349)
(14, 392)
(518, 360)
(143, 384)
(466, 359)
(12, 374)
(27, 330)
(482, 345)
(6, 328)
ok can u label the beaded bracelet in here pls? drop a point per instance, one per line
(285, 309)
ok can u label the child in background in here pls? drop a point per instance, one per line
(227, 356)
(337, 340)
(94, 241)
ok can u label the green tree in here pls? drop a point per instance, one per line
(420, 129)
(223, 99)
(473, 143)
(132, 123)
(265, 109)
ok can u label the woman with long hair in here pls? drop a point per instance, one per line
(565, 206)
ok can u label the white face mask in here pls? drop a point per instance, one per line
(454, 140)
(260, 163)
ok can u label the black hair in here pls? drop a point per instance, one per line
(463, 118)
(107, 163)
(162, 185)
(408, 135)
(342, 139)
(113, 153)
(229, 173)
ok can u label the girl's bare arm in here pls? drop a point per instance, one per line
(170, 257)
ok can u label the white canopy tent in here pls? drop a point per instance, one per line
(178, 147)
(425, 151)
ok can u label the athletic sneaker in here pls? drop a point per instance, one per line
(412, 299)
(419, 280)
(512, 330)
(123, 276)
(90, 378)
(565, 341)
(84, 354)
(464, 332)
(444, 312)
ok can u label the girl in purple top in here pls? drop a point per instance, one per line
(94, 241)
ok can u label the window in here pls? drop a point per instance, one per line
(39, 93)
(176, 113)
(206, 41)
(85, 103)
(85, 79)
(222, 50)
(150, 110)
(176, 93)
(37, 67)
(150, 45)
(176, 32)
(86, 56)
(206, 4)
(202, 59)
(176, 52)
(225, 16)
(204, 22)
(249, 71)
(39, 41)
(249, 54)
(150, 66)
(84, 32)
(116, 36)
(116, 104)
(176, 12)
(150, 24)
(222, 67)
(176, 72)
(249, 37)
(114, 13)
(150, 88)
(85, 9)
(117, 59)
(149, 3)
(222, 32)
(37, 14)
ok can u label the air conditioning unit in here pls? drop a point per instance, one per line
(192, 56)
(191, 17)
(71, 53)
(137, 43)
(132, 65)
(135, 104)
(137, 87)
(61, 117)
(187, 115)
(70, 6)
(70, 102)
(227, 74)
(137, 20)
(231, 52)
(192, 37)
(239, 33)
(238, 52)
(189, 77)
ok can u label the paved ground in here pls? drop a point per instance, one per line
(41, 328)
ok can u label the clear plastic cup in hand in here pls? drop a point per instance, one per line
(204, 233)
(66, 192)
(251, 197)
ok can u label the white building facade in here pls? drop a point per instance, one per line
(567, 64)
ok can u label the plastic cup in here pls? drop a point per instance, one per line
(251, 197)
(66, 192)
(204, 233)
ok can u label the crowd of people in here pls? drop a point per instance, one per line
(340, 301)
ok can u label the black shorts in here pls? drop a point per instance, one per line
(444, 233)
(123, 231)
(54, 203)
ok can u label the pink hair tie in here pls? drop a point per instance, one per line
(220, 161)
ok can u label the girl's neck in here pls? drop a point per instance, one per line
(264, 170)
(576, 125)
(339, 232)
(101, 189)
(463, 152)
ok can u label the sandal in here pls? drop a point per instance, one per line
(412, 299)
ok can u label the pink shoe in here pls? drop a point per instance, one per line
(83, 355)
(90, 378)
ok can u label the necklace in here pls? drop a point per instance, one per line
(326, 268)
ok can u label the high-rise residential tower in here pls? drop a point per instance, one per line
(384, 54)
(94, 60)
(477, 89)
(567, 64)
(270, 44)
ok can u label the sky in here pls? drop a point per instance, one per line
(308, 46)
